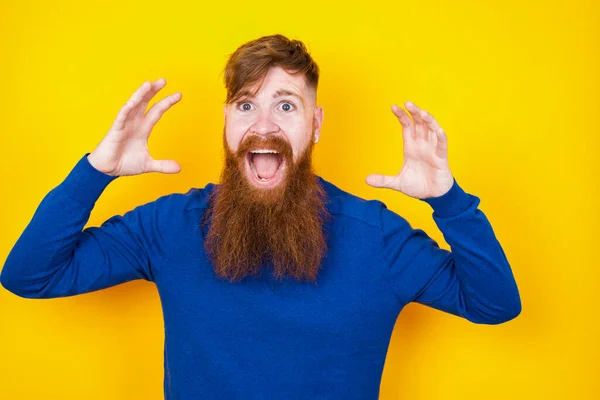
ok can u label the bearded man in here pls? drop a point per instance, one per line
(274, 283)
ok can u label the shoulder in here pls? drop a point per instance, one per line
(194, 198)
(348, 205)
(168, 208)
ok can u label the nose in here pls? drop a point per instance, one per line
(264, 125)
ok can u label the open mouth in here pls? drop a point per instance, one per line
(266, 167)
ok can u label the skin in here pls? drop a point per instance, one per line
(425, 172)
(124, 149)
(295, 118)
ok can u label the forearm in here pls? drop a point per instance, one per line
(49, 241)
(488, 291)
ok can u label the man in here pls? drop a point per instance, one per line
(274, 283)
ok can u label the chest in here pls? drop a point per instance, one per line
(349, 302)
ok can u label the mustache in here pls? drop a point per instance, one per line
(276, 143)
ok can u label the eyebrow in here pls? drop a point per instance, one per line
(285, 92)
(281, 92)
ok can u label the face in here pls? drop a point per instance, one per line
(283, 114)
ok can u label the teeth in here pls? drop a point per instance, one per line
(264, 151)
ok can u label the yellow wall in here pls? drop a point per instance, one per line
(515, 87)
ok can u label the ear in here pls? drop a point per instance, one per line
(225, 115)
(318, 120)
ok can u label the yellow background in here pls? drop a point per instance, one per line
(514, 86)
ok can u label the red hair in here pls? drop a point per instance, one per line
(251, 62)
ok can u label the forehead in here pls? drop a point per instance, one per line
(277, 80)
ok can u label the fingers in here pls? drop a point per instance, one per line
(428, 128)
(442, 143)
(429, 120)
(164, 166)
(378, 180)
(420, 124)
(436, 133)
(408, 125)
(126, 110)
(138, 102)
(158, 109)
(157, 85)
(122, 116)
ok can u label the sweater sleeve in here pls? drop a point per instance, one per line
(56, 257)
(474, 280)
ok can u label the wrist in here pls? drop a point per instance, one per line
(94, 161)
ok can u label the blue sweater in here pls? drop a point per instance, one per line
(260, 338)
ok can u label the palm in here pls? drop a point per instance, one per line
(131, 139)
(131, 153)
(425, 172)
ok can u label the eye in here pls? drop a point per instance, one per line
(244, 106)
(287, 106)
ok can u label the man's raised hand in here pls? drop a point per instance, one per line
(124, 149)
(425, 172)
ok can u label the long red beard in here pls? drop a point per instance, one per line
(250, 227)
